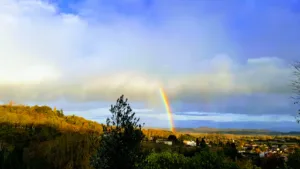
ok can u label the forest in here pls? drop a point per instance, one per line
(34, 137)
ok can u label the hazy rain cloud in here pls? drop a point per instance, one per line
(209, 57)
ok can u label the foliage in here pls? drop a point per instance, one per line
(211, 160)
(154, 147)
(203, 144)
(45, 147)
(172, 138)
(231, 151)
(202, 160)
(294, 159)
(39, 137)
(189, 151)
(120, 142)
(165, 160)
(272, 162)
(156, 133)
(186, 137)
(246, 164)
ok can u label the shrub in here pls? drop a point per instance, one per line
(166, 160)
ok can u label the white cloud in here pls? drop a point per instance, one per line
(46, 55)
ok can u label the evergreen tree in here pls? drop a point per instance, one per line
(121, 139)
(197, 142)
(203, 144)
(173, 138)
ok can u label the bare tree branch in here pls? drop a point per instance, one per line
(296, 86)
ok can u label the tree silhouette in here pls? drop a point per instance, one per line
(296, 87)
(230, 150)
(197, 142)
(294, 159)
(121, 139)
(203, 144)
(173, 138)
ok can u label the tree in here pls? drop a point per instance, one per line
(60, 113)
(294, 159)
(246, 164)
(296, 86)
(203, 144)
(272, 162)
(165, 160)
(197, 142)
(230, 150)
(173, 138)
(121, 139)
(211, 160)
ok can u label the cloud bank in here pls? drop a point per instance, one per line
(220, 64)
(48, 54)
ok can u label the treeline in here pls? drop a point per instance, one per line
(237, 131)
(34, 137)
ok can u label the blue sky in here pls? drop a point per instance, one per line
(222, 63)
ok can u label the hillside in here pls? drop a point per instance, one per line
(43, 137)
(44, 115)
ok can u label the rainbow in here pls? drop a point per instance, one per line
(168, 109)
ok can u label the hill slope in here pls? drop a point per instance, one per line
(39, 137)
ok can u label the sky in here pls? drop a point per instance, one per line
(222, 63)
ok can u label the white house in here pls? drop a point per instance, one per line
(190, 143)
(168, 142)
(164, 141)
(262, 154)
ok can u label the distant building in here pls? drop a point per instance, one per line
(241, 151)
(284, 148)
(168, 142)
(190, 143)
(159, 141)
(262, 154)
(164, 141)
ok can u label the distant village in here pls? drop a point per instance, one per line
(266, 148)
(251, 148)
